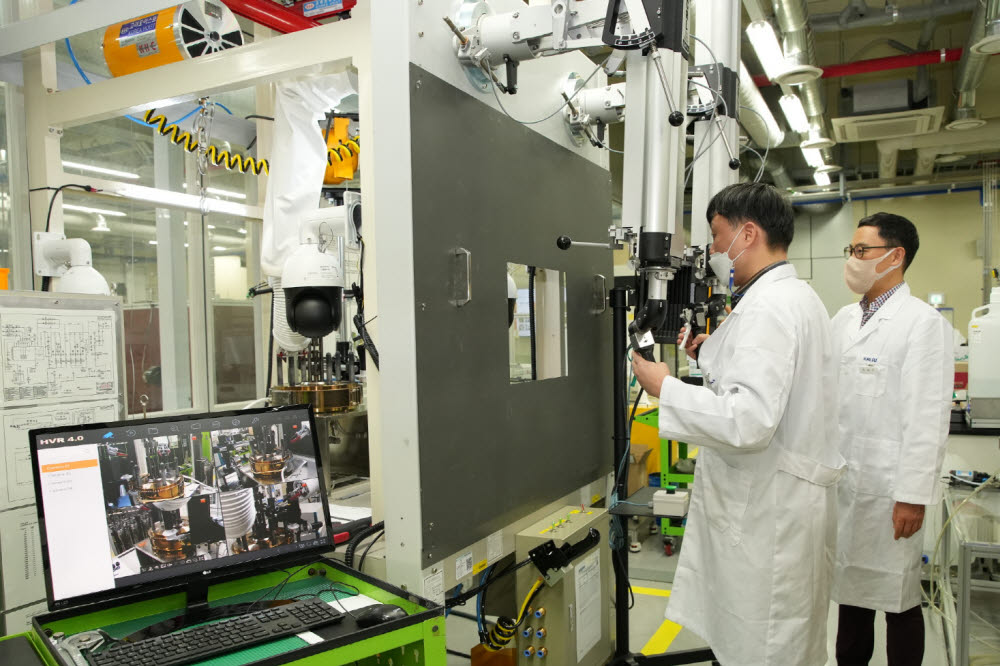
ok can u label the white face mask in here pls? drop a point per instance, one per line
(861, 274)
(722, 265)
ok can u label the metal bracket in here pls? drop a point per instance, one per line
(43, 265)
(461, 277)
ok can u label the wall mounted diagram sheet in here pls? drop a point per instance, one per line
(21, 557)
(49, 356)
(16, 485)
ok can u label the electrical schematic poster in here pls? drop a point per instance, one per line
(16, 482)
(49, 357)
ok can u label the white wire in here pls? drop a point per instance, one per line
(488, 69)
(971, 483)
(987, 623)
(760, 171)
(935, 590)
(767, 148)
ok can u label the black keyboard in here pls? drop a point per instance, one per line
(196, 644)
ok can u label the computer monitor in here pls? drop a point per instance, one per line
(135, 505)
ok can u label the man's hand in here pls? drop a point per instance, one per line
(907, 519)
(650, 375)
(692, 343)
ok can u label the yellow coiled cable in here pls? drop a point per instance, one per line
(235, 161)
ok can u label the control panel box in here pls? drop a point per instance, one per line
(673, 505)
(570, 618)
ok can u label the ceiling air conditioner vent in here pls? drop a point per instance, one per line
(888, 125)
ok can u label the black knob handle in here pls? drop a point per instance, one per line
(563, 242)
(676, 119)
(734, 164)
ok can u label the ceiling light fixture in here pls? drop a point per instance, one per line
(766, 46)
(816, 139)
(102, 224)
(103, 170)
(225, 193)
(93, 211)
(243, 231)
(813, 157)
(821, 178)
(152, 242)
(219, 248)
(791, 105)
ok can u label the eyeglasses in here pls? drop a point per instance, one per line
(859, 250)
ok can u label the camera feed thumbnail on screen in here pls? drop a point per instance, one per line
(182, 498)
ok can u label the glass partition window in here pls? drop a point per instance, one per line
(6, 241)
(537, 333)
(235, 339)
(142, 251)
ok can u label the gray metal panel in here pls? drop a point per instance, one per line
(490, 451)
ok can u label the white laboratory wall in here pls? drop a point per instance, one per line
(817, 252)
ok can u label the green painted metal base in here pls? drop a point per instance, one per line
(415, 644)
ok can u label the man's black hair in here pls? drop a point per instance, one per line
(896, 231)
(758, 203)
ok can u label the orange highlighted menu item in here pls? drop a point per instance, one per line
(66, 466)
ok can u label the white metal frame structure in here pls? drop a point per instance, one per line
(380, 46)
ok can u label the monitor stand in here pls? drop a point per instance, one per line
(197, 611)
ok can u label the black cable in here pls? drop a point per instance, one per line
(617, 563)
(256, 115)
(459, 654)
(37, 189)
(468, 594)
(270, 348)
(360, 325)
(360, 536)
(531, 319)
(334, 591)
(361, 562)
(276, 588)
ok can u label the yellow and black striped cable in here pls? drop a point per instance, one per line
(505, 628)
(235, 161)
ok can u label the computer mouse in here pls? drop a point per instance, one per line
(369, 616)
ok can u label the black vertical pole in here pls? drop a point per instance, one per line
(619, 308)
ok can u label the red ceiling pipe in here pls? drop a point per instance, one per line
(881, 64)
(271, 15)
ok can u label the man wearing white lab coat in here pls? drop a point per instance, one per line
(755, 568)
(896, 379)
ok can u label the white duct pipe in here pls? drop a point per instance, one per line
(756, 116)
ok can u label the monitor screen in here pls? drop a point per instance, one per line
(159, 501)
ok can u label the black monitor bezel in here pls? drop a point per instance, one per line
(183, 580)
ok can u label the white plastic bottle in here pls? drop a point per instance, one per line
(984, 349)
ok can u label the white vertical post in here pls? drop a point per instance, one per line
(17, 172)
(720, 30)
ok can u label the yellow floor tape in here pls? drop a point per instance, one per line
(665, 635)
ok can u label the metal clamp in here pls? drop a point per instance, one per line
(461, 277)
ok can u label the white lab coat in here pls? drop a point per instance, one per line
(896, 381)
(756, 564)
